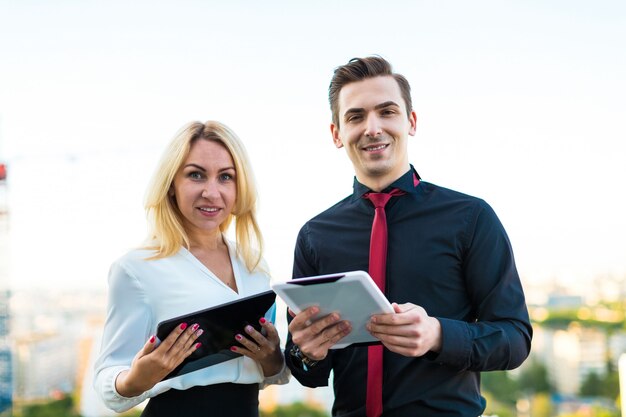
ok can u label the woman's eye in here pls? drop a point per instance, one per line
(226, 177)
(195, 175)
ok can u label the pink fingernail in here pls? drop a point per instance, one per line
(198, 345)
(233, 348)
(152, 339)
(249, 328)
(238, 337)
(195, 327)
(199, 332)
(262, 320)
(183, 326)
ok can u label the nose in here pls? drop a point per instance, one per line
(372, 126)
(210, 190)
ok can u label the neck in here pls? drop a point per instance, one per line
(377, 184)
(206, 242)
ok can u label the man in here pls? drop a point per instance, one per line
(449, 270)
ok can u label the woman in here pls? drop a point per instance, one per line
(201, 185)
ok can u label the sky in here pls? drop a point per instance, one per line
(519, 103)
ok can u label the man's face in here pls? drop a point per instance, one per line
(374, 128)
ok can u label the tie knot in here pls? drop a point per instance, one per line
(380, 199)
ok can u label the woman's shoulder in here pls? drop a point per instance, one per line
(134, 256)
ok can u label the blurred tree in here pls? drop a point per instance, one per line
(503, 388)
(62, 407)
(591, 386)
(534, 377)
(496, 408)
(606, 386)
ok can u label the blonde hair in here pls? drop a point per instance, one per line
(167, 233)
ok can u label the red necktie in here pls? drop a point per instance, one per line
(377, 269)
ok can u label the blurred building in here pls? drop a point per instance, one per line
(45, 366)
(575, 353)
(6, 367)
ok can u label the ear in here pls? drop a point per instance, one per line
(171, 192)
(413, 122)
(334, 130)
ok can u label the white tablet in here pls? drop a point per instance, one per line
(353, 295)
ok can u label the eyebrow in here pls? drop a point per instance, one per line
(388, 103)
(195, 166)
(201, 168)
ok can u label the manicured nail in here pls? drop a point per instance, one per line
(199, 332)
(238, 337)
(152, 339)
(195, 327)
(183, 326)
(249, 328)
(198, 345)
(262, 320)
(233, 348)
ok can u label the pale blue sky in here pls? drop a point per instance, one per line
(518, 102)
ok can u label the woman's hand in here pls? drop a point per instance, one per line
(152, 363)
(263, 349)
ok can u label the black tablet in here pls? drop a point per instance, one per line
(220, 324)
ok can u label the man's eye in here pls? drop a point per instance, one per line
(354, 118)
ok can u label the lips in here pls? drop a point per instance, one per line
(208, 209)
(376, 147)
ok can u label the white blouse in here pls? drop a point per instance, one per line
(143, 293)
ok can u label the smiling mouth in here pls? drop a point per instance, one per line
(373, 148)
(208, 209)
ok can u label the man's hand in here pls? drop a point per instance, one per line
(409, 331)
(315, 336)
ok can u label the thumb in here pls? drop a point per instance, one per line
(291, 313)
(396, 307)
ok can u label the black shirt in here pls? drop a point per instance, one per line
(448, 253)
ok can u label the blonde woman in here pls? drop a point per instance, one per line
(203, 184)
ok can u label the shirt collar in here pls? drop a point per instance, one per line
(405, 183)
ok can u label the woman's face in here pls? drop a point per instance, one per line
(205, 188)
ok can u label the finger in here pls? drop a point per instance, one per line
(317, 348)
(304, 318)
(318, 326)
(291, 313)
(186, 340)
(173, 336)
(412, 329)
(255, 335)
(309, 334)
(246, 344)
(149, 346)
(270, 330)
(404, 316)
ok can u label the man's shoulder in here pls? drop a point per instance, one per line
(440, 193)
(341, 207)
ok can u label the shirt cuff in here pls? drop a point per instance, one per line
(113, 399)
(280, 378)
(456, 344)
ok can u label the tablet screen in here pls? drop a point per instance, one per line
(220, 325)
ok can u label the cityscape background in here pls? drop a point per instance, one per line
(520, 103)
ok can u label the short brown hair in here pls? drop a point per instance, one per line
(358, 69)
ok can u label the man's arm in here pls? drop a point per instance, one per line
(499, 336)
(312, 337)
